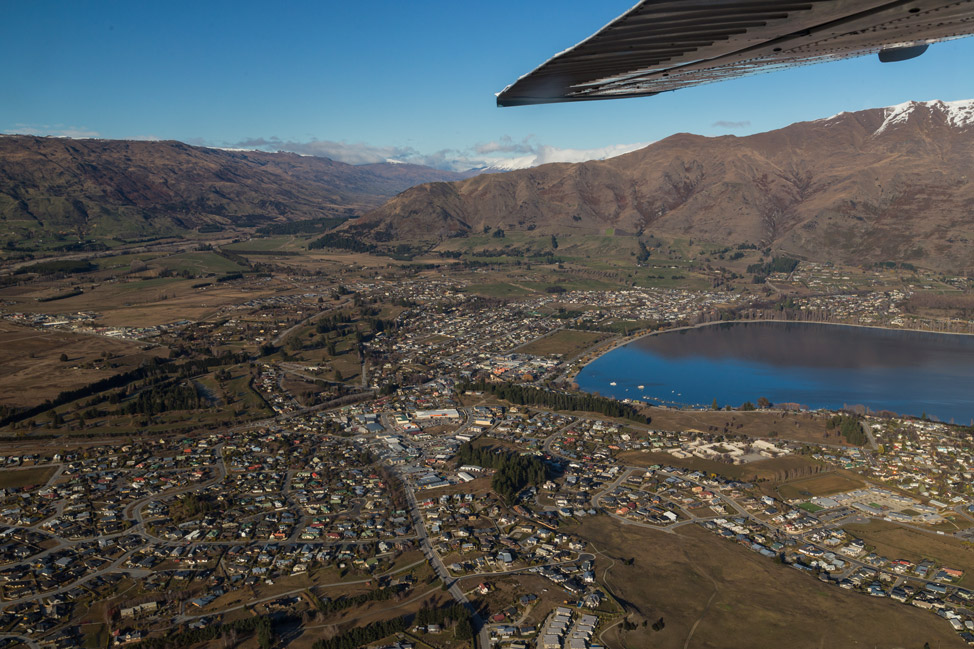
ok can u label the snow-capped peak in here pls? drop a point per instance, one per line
(510, 164)
(958, 113)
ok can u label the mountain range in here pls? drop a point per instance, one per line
(101, 188)
(884, 184)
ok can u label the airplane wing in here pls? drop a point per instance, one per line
(662, 45)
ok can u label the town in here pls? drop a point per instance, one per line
(350, 468)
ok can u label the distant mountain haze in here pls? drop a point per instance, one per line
(133, 188)
(885, 184)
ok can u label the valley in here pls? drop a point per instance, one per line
(267, 400)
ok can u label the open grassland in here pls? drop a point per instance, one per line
(239, 389)
(714, 593)
(31, 370)
(198, 263)
(15, 478)
(148, 302)
(773, 469)
(277, 243)
(508, 589)
(896, 542)
(825, 484)
(500, 289)
(332, 625)
(800, 427)
(564, 343)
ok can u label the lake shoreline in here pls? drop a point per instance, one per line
(818, 364)
(631, 339)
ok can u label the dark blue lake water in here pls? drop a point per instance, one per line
(816, 365)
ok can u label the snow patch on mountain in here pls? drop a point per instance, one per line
(958, 114)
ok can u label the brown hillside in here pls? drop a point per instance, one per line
(877, 185)
(94, 188)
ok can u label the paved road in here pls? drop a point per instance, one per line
(869, 434)
(311, 318)
(251, 602)
(453, 586)
(20, 638)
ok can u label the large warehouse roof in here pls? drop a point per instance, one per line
(662, 45)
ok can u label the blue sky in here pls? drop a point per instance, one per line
(367, 80)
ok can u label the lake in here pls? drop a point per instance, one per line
(815, 365)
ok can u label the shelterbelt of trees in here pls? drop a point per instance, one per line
(513, 471)
(849, 426)
(262, 626)
(452, 614)
(156, 371)
(524, 395)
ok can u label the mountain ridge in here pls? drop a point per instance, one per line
(95, 187)
(859, 187)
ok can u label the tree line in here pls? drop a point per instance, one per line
(158, 399)
(363, 635)
(262, 626)
(523, 395)
(58, 266)
(849, 427)
(342, 242)
(341, 603)
(447, 615)
(781, 264)
(513, 472)
(150, 369)
(307, 226)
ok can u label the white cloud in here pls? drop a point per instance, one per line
(349, 152)
(544, 154)
(505, 144)
(502, 153)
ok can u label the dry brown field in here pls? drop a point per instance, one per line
(140, 303)
(565, 343)
(825, 484)
(714, 593)
(800, 427)
(896, 542)
(25, 477)
(31, 370)
(771, 469)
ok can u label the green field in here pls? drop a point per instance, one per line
(498, 289)
(281, 242)
(138, 285)
(199, 263)
(10, 478)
